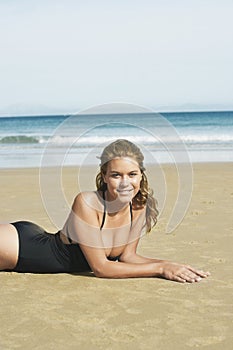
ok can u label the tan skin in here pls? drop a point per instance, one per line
(123, 178)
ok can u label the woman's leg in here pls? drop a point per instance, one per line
(9, 246)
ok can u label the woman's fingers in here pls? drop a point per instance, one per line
(192, 275)
(200, 273)
(179, 279)
(183, 273)
(188, 277)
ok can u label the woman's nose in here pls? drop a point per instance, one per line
(124, 181)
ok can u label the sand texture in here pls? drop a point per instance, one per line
(62, 311)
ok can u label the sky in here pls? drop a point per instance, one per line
(68, 55)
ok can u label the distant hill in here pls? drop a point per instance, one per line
(32, 110)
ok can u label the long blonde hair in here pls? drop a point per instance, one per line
(125, 148)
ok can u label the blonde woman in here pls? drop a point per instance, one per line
(102, 231)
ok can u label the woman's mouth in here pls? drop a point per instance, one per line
(124, 192)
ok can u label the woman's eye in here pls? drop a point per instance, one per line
(118, 175)
(115, 175)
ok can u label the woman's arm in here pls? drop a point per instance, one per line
(104, 268)
(130, 255)
(85, 229)
(167, 269)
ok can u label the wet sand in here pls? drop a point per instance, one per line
(62, 311)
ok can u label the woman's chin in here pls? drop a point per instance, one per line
(125, 196)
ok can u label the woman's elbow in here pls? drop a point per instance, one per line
(106, 270)
(100, 271)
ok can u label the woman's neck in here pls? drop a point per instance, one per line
(115, 206)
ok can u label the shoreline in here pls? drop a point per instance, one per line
(200, 163)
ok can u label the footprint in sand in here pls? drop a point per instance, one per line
(208, 201)
(197, 212)
(203, 341)
(217, 260)
(133, 311)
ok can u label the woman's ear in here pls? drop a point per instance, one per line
(104, 177)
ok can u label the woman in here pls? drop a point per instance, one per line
(102, 231)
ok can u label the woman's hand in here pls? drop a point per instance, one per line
(182, 273)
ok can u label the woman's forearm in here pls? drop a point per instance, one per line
(139, 259)
(172, 271)
(111, 269)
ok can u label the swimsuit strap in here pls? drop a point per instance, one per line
(68, 236)
(104, 214)
(131, 214)
(104, 217)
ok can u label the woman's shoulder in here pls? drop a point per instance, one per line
(86, 207)
(88, 199)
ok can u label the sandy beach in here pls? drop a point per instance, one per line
(62, 311)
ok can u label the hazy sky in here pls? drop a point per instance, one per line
(72, 54)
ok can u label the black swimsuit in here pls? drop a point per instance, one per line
(43, 252)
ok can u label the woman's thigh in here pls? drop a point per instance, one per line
(9, 246)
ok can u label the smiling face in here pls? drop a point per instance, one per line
(123, 177)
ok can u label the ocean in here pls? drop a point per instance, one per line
(51, 140)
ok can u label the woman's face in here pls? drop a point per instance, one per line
(123, 177)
